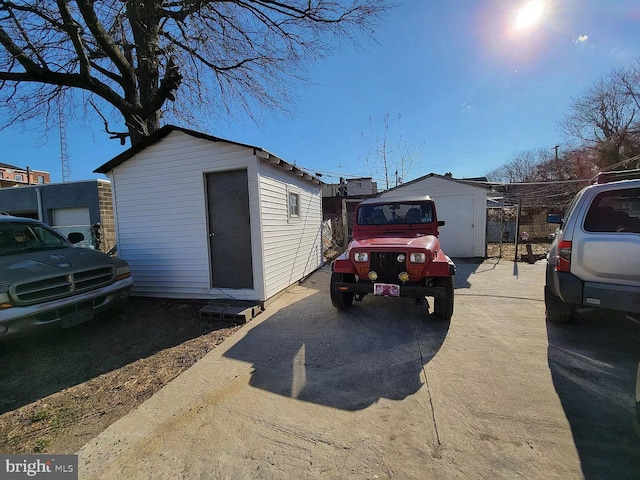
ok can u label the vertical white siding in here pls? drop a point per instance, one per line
(162, 226)
(463, 208)
(292, 247)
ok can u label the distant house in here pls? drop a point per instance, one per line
(12, 176)
(199, 216)
(86, 204)
(351, 187)
(462, 204)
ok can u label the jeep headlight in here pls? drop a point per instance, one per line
(417, 257)
(360, 256)
(5, 300)
(123, 272)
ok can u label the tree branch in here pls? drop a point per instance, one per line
(73, 30)
(107, 44)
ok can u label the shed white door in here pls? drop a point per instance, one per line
(230, 229)
(71, 216)
(456, 237)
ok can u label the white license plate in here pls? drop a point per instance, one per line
(386, 289)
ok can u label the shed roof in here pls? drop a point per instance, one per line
(469, 182)
(261, 153)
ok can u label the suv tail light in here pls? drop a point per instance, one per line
(563, 260)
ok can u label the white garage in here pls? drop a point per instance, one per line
(461, 204)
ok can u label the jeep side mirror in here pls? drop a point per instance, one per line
(554, 218)
(441, 223)
(75, 237)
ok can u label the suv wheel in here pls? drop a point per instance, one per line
(341, 300)
(557, 311)
(443, 307)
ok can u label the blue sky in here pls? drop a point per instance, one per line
(469, 86)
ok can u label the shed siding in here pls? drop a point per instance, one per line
(162, 225)
(443, 191)
(292, 247)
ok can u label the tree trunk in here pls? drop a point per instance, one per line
(145, 26)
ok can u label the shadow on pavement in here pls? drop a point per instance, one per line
(36, 366)
(465, 267)
(593, 363)
(347, 360)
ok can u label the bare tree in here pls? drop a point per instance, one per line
(606, 118)
(390, 153)
(542, 165)
(135, 60)
(523, 167)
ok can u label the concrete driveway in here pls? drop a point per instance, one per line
(384, 391)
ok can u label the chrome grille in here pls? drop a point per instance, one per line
(387, 266)
(59, 286)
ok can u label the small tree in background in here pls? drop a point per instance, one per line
(389, 154)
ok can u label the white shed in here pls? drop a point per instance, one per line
(201, 217)
(462, 205)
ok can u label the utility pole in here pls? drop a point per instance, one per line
(556, 149)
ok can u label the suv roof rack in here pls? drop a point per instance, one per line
(614, 176)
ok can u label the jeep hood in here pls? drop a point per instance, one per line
(26, 266)
(428, 242)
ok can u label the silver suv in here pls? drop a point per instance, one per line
(594, 260)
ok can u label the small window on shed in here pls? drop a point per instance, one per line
(294, 204)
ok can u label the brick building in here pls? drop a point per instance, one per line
(12, 176)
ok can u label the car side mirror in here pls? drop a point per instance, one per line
(75, 237)
(554, 218)
(441, 223)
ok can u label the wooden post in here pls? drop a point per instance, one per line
(530, 257)
(515, 259)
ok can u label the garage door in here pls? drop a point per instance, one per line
(456, 236)
(71, 216)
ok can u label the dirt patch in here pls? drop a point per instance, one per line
(508, 250)
(61, 388)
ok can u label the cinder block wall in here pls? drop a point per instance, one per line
(106, 216)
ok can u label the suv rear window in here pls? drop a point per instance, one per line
(614, 211)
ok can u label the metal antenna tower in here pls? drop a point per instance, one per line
(64, 156)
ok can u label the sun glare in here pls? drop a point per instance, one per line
(529, 14)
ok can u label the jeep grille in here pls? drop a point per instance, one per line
(60, 286)
(387, 266)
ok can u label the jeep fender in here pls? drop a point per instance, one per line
(441, 266)
(342, 264)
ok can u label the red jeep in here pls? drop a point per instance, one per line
(395, 252)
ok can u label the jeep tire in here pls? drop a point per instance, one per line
(341, 300)
(556, 311)
(443, 307)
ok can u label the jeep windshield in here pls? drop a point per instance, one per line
(395, 213)
(18, 237)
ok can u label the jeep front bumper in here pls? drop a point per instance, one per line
(413, 291)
